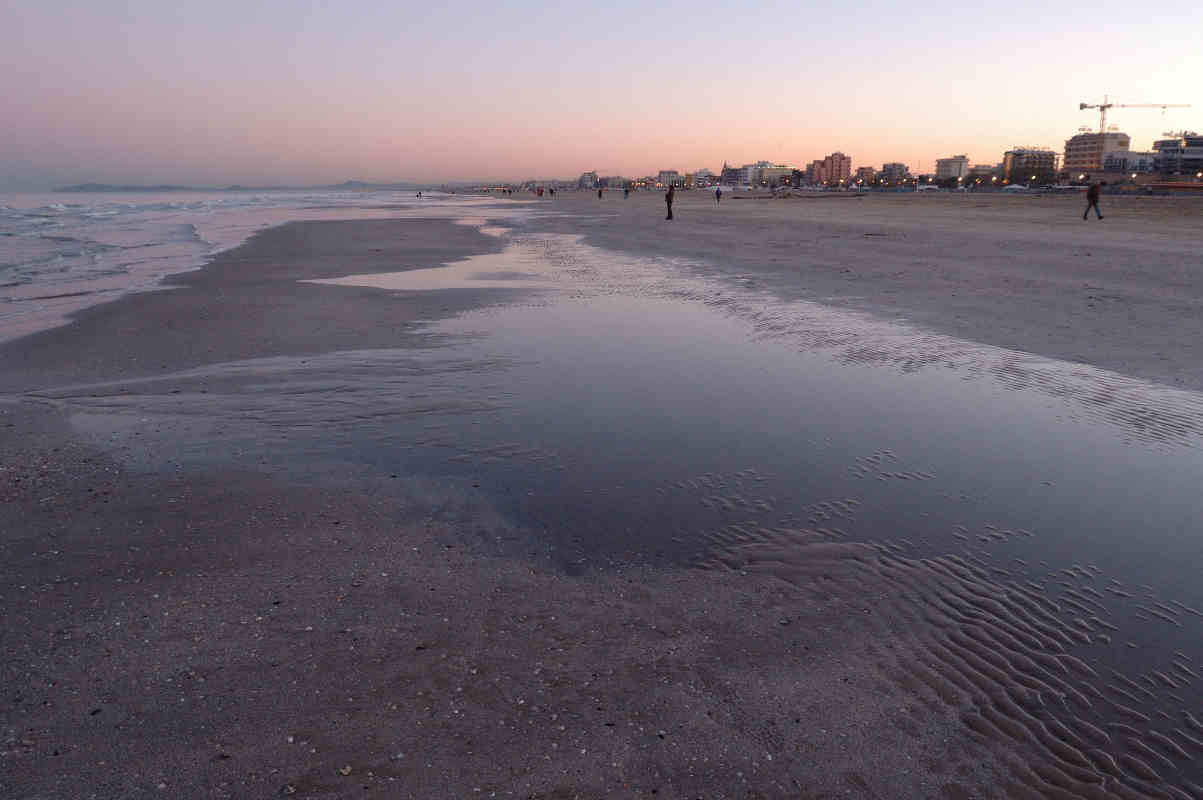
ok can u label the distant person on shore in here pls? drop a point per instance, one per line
(419, 195)
(599, 194)
(718, 194)
(1092, 199)
(668, 200)
(626, 193)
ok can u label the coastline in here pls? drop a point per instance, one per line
(1023, 273)
(322, 638)
(250, 301)
(307, 629)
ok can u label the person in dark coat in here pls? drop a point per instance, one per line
(599, 191)
(668, 200)
(718, 194)
(1092, 199)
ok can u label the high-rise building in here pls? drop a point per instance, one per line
(1180, 155)
(981, 171)
(588, 180)
(1087, 151)
(839, 167)
(865, 175)
(1029, 165)
(953, 167)
(835, 169)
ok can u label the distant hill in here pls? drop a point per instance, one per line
(105, 187)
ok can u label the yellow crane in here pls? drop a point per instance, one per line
(1103, 106)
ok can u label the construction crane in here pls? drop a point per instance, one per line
(1103, 106)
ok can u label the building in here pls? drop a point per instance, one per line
(751, 172)
(838, 168)
(734, 176)
(1087, 151)
(588, 180)
(774, 175)
(865, 175)
(1029, 165)
(669, 177)
(982, 171)
(1180, 155)
(835, 169)
(894, 173)
(953, 167)
(1129, 161)
(704, 177)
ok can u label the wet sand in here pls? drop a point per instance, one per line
(253, 302)
(223, 635)
(1020, 272)
(225, 632)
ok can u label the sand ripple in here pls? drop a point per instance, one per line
(1016, 662)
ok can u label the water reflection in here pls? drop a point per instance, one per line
(630, 411)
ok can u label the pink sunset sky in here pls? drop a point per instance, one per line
(304, 92)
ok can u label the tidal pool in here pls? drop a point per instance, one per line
(624, 410)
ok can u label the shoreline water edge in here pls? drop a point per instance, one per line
(599, 510)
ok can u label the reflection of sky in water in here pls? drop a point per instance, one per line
(635, 411)
(507, 270)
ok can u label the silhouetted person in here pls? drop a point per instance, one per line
(599, 191)
(718, 194)
(626, 193)
(668, 200)
(1092, 199)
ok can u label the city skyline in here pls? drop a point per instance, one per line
(305, 95)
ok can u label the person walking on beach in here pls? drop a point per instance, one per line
(668, 200)
(1092, 199)
(718, 194)
(599, 196)
(626, 193)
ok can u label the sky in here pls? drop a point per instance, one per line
(299, 92)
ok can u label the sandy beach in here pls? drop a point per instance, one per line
(195, 610)
(1022, 272)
